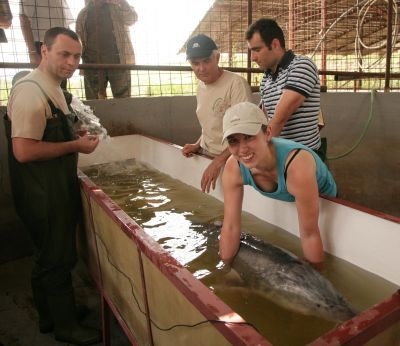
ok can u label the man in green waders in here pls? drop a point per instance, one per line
(43, 152)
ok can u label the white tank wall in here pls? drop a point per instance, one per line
(368, 176)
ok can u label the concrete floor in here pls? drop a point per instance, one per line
(18, 317)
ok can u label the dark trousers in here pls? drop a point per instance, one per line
(321, 151)
(96, 83)
(46, 196)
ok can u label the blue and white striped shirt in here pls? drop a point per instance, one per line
(297, 73)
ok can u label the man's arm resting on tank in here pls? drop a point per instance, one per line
(232, 184)
(302, 184)
(288, 103)
(28, 150)
(213, 170)
(191, 148)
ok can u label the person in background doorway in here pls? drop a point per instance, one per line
(42, 151)
(103, 26)
(5, 18)
(36, 17)
(290, 89)
(217, 90)
(277, 168)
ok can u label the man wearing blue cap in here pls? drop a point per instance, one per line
(217, 90)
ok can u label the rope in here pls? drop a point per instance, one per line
(358, 40)
(364, 6)
(344, 14)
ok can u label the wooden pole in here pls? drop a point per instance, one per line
(389, 45)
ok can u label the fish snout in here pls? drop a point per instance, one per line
(341, 312)
(347, 314)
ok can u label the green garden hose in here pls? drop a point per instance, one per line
(364, 131)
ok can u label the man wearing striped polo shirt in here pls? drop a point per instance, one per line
(290, 89)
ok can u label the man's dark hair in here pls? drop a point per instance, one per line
(268, 30)
(52, 33)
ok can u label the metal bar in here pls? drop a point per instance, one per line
(146, 301)
(230, 40)
(135, 67)
(105, 309)
(365, 326)
(389, 45)
(188, 69)
(291, 25)
(105, 322)
(323, 44)
(249, 21)
(102, 93)
(361, 48)
(359, 74)
(121, 321)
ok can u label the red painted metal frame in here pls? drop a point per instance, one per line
(106, 303)
(109, 305)
(146, 302)
(362, 208)
(199, 295)
(365, 326)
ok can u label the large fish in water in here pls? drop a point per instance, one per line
(286, 280)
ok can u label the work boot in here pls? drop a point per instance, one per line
(66, 326)
(42, 307)
(78, 335)
(46, 324)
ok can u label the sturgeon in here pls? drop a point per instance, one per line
(286, 280)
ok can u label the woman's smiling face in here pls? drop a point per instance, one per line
(246, 148)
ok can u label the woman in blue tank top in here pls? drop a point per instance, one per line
(275, 167)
